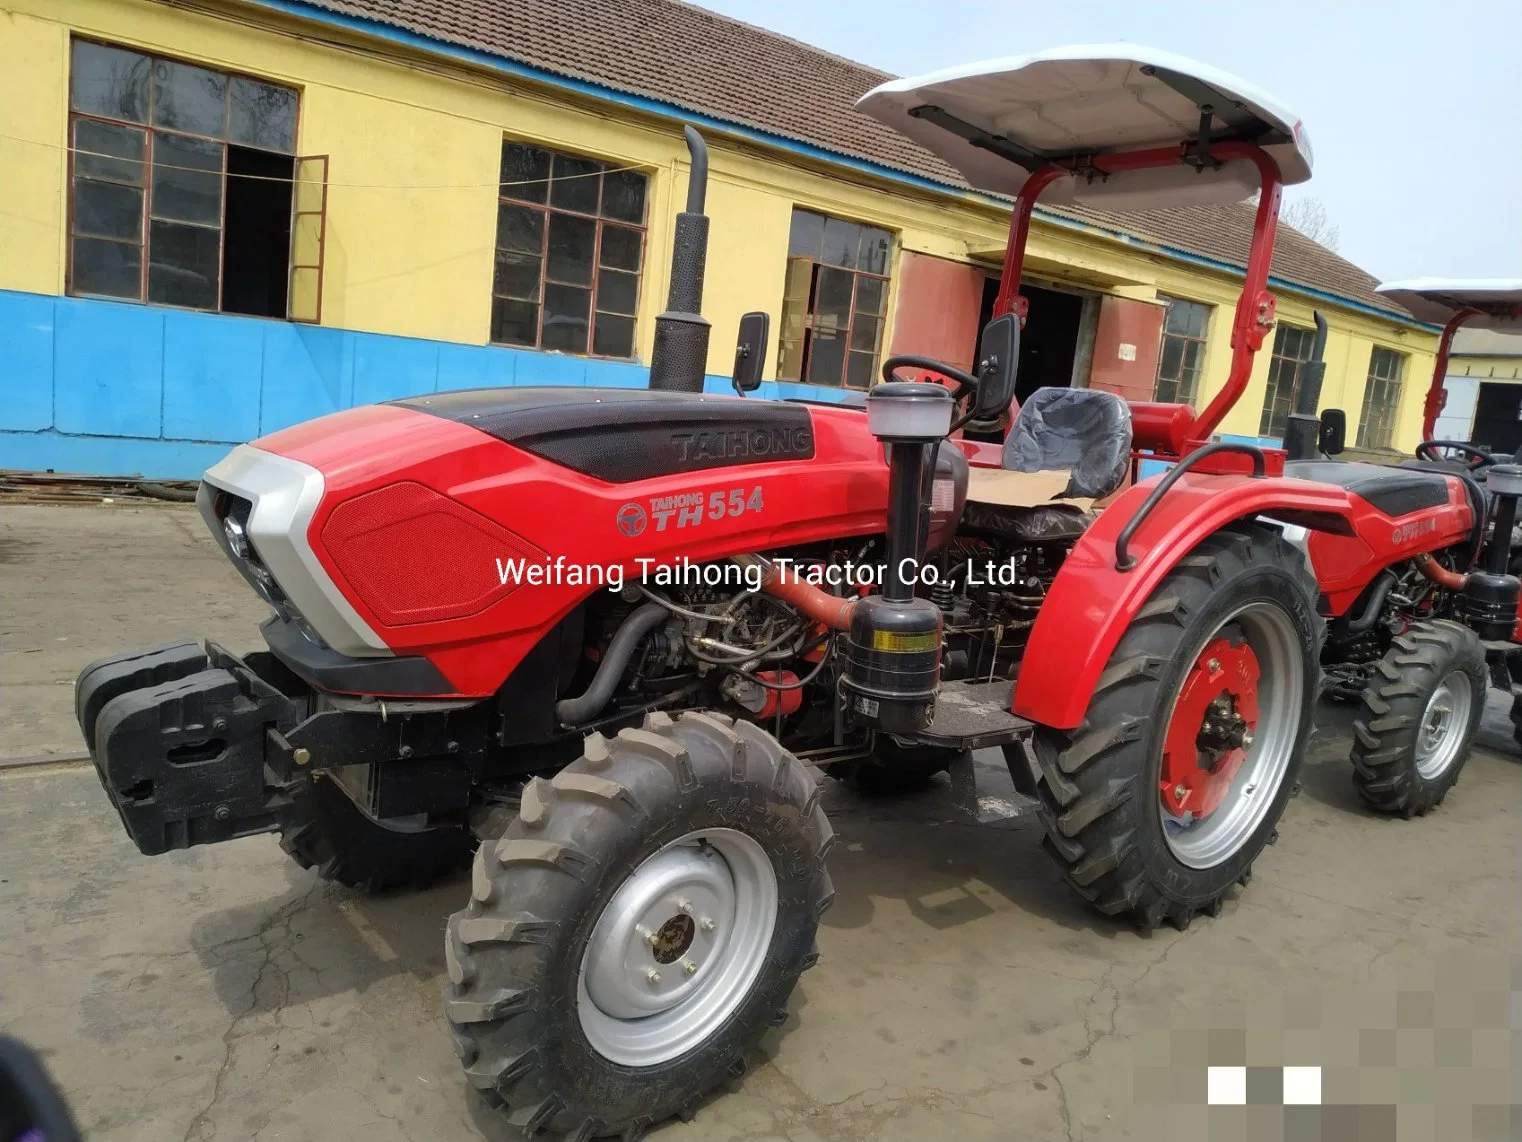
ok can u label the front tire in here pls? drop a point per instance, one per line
(325, 830)
(638, 927)
(1418, 718)
(1176, 779)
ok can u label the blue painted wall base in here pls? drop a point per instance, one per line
(116, 389)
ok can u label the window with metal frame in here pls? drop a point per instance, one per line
(1182, 356)
(570, 253)
(834, 301)
(182, 182)
(1292, 349)
(1381, 398)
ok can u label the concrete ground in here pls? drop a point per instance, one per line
(222, 993)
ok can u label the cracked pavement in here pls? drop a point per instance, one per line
(222, 993)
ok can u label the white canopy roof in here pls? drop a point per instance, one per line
(1435, 300)
(1024, 110)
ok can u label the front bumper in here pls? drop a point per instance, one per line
(188, 742)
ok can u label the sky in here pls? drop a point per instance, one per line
(1414, 109)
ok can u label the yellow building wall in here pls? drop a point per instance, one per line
(414, 145)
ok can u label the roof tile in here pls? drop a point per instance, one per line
(696, 59)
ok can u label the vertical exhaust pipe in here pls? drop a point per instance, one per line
(679, 360)
(1303, 432)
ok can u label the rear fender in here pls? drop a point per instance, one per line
(1091, 604)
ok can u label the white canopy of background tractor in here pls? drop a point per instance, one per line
(1026, 110)
(1497, 300)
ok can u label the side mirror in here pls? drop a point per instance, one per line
(1333, 437)
(750, 351)
(998, 364)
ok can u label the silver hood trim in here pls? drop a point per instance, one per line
(285, 494)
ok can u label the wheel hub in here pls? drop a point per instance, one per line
(677, 947)
(1211, 729)
(662, 928)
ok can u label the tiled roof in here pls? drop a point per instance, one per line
(685, 55)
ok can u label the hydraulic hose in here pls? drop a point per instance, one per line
(574, 711)
(1440, 575)
(1375, 604)
(821, 606)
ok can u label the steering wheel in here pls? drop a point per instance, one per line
(1473, 457)
(967, 384)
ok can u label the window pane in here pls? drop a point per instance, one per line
(826, 358)
(620, 248)
(864, 333)
(514, 322)
(189, 99)
(517, 275)
(109, 81)
(110, 268)
(840, 242)
(789, 360)
(572, 242)
(623, 196)
(832, 298)
(807, 234)
(617, 292)
(875, 245)
(94, 141)
(180, 191)
(108, 210)
(521, 229)
(1196, 319)
(859, 370)
(573, 184)
(182, 264)
(565, 318)
(869, 295)
(1172, 361)
(614, 336)
(262, 115)
(525, 172)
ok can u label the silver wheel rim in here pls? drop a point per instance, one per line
(1440, 734)
(677, 949)
(1208, 841)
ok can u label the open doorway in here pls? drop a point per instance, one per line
(1498, 418)
(257, 232)
(1049, 342)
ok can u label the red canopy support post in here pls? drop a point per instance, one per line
(1009, 299)
(1254, 315)
(1437, 395)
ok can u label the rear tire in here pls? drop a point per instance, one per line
(563, 1016)
(325, 830)
(1101, 786)
(1419, 714)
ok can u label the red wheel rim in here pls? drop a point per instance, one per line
(1210, 729)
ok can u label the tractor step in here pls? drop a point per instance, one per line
(974, 715)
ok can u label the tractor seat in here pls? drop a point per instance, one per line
(1086, 433)
(1394, 491)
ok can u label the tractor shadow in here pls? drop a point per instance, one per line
(318, 940)
(947, 871)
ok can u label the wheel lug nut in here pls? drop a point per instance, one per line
(1213, 665)
(684, 905)
(1179, 792)
(653, 976)
(707, 924)
(689, 967)
(647, 935)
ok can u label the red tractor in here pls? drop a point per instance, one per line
(597, 637)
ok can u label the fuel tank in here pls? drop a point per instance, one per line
(458, 528)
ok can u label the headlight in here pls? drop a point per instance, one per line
(237, 539)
